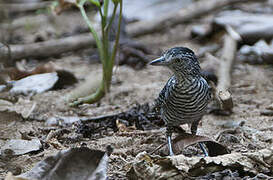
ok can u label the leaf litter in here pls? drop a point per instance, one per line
(74, 163)
(147, 140)
(142, 86)
(180, 167)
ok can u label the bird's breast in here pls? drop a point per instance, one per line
(186, 104)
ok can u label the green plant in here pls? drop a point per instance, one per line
(107, 56)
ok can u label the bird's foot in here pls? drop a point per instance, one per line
(170, 145)
(202, 147)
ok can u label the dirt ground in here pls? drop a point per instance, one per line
(252, 91)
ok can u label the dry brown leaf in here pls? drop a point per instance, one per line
(184, 140)
(146, 166)
(16, 74)
(123, 128)
(22, 107)
(71, 164)
(63, 5)
(55, 143)
(10, 176)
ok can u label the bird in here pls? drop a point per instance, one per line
(185, 97)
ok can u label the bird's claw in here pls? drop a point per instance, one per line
(203, 149)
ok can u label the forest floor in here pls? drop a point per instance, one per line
(252, 91)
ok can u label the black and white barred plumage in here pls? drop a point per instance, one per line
(182, 103)
(186, 94)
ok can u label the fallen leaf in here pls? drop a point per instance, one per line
(34, 84)
(10, 176)
(8, 127)
(184, 140)
(65, 78)
(5, 105)
(19, 146)
(75, 163)
(22, 107)
(15, 73)
(63, 5)
(146, 166)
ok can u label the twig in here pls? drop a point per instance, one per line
(159, 147)
(141, 133)
(195, 10)
(225, 131)
(23, 7)
(224, 73)
(36, 20)
(100, 118)
(53, 134)
(47, 48)
(56, 47)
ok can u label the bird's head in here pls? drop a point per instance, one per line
(179, 60)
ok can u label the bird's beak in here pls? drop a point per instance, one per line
(158, 62)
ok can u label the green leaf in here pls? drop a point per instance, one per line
(95, 2)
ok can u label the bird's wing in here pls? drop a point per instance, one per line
(210, 88)
(209, 77)
(163, 95)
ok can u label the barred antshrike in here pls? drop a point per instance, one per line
(185, 96)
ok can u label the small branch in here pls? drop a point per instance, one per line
(185, 15)
(224, 73)
(44, 49)
(94, 33)
(195, 10)
(47, 48)
(251, 27)
(23, 7)
(20, 22)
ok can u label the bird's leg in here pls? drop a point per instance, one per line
(169, 139)
(194, 131)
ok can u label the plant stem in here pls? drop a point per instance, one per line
(91, 98)
(94, 33)
(102, 19)
(105, 45)
(112, 19)
(105, 8)
(110, 65)
(107, 57)
(116, 45)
